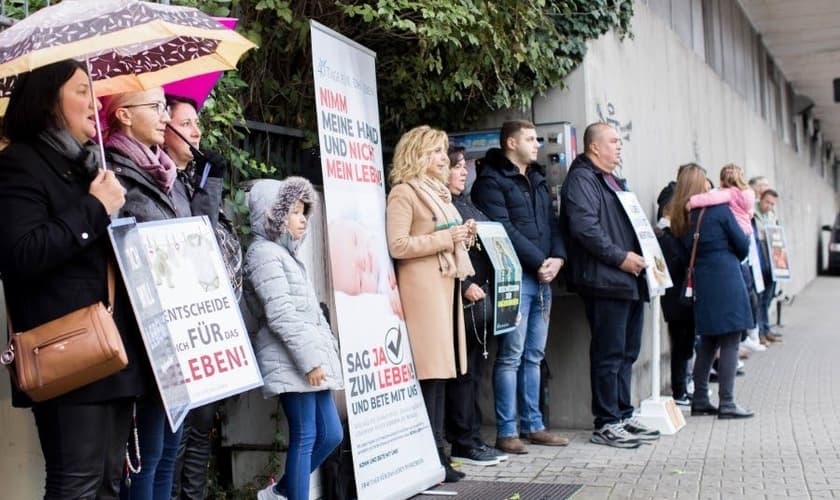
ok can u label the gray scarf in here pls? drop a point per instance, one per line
(84, 159)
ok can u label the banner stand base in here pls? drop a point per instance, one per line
(662, 414)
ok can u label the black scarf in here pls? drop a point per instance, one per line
(84, 159)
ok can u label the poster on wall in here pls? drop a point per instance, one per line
(656, 271)
(777, 249)
(507, 279)
(394, 452)
(186, 310)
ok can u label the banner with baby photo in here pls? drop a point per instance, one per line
(187, 312)
(394, 452)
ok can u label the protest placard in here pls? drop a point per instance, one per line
(187, 312)
(394, 451)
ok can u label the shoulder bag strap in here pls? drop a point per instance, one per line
(696, 240)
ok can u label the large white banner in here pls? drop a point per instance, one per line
(187, 312)
(394, 452)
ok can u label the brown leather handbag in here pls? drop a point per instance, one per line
(68, 352)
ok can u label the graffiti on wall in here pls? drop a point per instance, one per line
(624, 129)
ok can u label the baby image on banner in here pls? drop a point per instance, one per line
(187, 312)
(507, 280)
(777, 249)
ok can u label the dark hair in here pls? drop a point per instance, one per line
(33, 105)
(591, 132)
(770, 192)
(511, 127)
(172, 100)
(456, 154)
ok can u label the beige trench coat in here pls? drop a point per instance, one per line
(428, 298)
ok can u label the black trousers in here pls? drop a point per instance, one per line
(616, 327)
(463, 413)
(190, 479)
(83, 447)
(681, 335)
(434, 396)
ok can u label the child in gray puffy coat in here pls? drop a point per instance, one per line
(296, 351)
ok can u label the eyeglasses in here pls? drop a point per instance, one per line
(159, 107)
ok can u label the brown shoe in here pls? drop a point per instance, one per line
(512, 445)
(774, 338)
(546, 438)
(764, 341)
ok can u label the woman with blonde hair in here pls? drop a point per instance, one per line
(721, 303)
(429, 240)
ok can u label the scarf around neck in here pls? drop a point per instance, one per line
(155, 162)
(433, 194)
(84, 159)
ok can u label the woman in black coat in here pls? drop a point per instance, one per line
(463, 413)
(54, 250)
(722, 311)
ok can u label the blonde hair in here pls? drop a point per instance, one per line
(732, 175)
(690, 181)
(412, 155)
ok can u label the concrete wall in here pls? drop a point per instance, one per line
(21, 462)
(671, 108)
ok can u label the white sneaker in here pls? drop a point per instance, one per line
(753, 345)
(269, 494)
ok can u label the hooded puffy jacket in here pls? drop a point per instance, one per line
(292, 336)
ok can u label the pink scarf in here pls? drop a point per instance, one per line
(154, 162)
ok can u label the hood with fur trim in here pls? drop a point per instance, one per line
(270, 202)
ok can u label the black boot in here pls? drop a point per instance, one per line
(452, 475)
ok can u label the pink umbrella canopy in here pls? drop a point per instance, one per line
(199, 87)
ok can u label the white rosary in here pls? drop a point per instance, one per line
(131, 468)
(481, 341)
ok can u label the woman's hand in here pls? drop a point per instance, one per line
(459, 233)
(107, 189)
(474, 293)
(316, 376)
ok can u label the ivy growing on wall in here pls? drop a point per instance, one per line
(443, 62)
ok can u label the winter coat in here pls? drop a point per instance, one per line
(523, 206)
(292, 336)
(721, 301)
(145, 201)
(428, 298)
(484, 273)
(677, 258)
(53, 248)
(598, 235)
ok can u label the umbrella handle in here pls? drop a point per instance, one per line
(194, 150)
(102, 164)
(196, 155)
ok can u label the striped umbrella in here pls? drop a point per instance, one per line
(129, 45)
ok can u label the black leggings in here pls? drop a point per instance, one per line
(83, 447)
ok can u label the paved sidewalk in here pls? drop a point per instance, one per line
(790, 449)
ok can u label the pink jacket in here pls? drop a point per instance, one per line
(741, 202)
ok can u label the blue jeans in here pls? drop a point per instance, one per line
(616, 327)
(158, 449)
(516, 373)
(314, 432)
(764, 299)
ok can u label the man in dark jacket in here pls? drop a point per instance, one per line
(511, 189)
(605, 267)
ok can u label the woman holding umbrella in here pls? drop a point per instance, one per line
(182, 139)
(54, 251)
(136, 122)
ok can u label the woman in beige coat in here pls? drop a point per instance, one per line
(429, 241)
